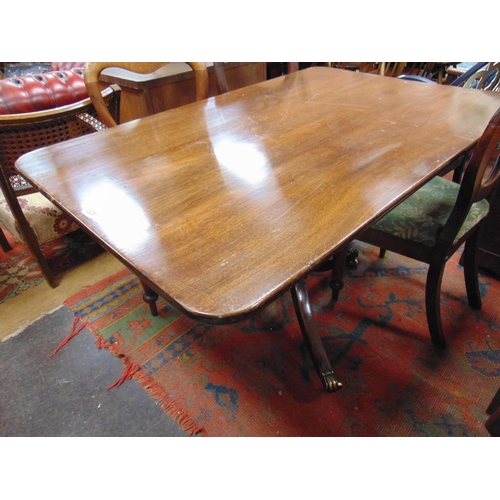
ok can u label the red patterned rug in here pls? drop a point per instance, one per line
(256, 378)
(19, 270)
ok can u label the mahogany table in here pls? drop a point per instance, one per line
(221, 206)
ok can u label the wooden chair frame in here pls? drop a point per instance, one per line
(92, 70)
(485, 79)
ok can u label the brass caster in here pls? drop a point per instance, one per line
(351, 258)
(330, 383)
(352, 264)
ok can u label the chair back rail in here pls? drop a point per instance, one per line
(463, 78)
(393, 69)
(487, 78)
(479, 179)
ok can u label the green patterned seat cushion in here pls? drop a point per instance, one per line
(424, 213)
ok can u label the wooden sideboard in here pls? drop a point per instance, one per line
(173, 86)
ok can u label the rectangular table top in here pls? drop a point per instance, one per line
(223, 204)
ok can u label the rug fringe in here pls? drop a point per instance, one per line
(74, 331)
(130, 370)
(133, 370)
(101, 343)
(171, 408)
(154, 389)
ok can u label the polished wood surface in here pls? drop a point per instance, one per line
(222, 205)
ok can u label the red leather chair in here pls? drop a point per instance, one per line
(62, 85)
(37, 111)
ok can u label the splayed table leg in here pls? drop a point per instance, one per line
(309, 330)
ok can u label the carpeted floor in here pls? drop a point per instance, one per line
(66, 395)
(20, 271)
(256, 378)
(25, 296)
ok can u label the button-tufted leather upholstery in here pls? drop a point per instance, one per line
(49, 90)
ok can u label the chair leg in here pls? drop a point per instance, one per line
(42, 262)
(31, 241)
(3, 242)
(471, 271)
(495, 404)
(433, 304)
(493, 423)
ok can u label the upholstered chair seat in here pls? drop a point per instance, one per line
(48, 222)
(421, 216)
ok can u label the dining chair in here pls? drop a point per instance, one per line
(486, 78)
(436, 220)
(25, 213)
(392, 69)
(92, 70)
